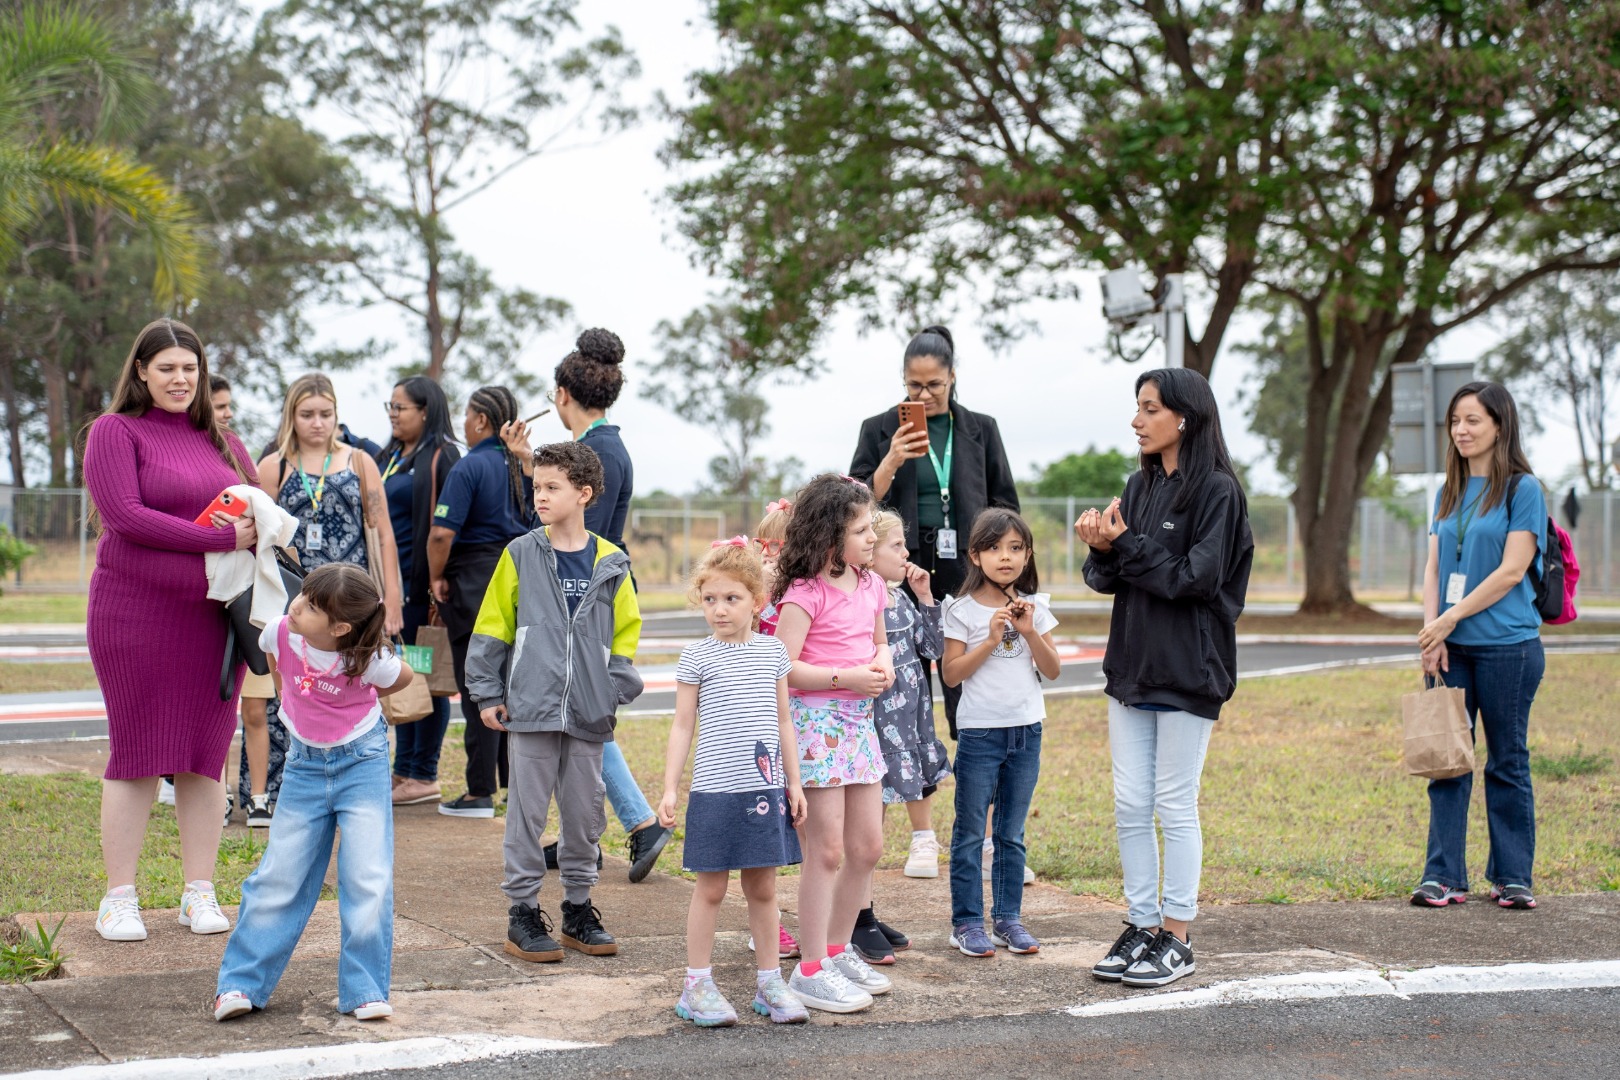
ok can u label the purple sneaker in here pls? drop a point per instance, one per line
(971, 940)
(782, 1005)
(1011, 935)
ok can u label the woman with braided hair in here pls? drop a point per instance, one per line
(485, 504)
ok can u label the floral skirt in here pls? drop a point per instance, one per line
(838, 742)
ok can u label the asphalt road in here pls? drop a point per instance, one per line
(1568, 1033)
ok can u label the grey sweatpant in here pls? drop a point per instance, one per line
(546, 764)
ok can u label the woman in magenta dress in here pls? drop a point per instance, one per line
(153, 462)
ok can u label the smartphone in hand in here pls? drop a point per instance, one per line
(914, 413)
(224, 503)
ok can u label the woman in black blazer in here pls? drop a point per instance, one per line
(905, 469)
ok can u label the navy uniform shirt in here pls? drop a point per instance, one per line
(607, 515)
(476, 500)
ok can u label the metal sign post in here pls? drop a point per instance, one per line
(1419, 428)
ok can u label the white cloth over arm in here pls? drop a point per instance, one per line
(230, 573)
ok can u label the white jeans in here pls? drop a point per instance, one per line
(1158, 760)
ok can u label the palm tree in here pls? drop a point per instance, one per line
(48, 52)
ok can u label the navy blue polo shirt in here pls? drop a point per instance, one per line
(606, 516)
(476, 500)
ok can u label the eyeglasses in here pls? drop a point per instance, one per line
(769, 549)
(934, 389)
(394, 409)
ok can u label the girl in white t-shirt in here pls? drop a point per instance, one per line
(745, 800)
(331, 663)
(998, 641)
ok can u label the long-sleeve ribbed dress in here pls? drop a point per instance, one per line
(156, 640)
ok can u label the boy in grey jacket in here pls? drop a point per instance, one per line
(551, 659)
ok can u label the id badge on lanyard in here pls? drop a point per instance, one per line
(312, 537)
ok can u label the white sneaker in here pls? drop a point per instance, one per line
(231, 1003)
(119, 917)
(858, 971)
(828, 991)
(199, 909)
(1029, 875)
(374, 1010)
(923, 860)
(989, 859)
(165, 792)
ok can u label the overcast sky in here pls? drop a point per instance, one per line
(590, 227)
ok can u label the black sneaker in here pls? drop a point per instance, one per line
(645, 844)
(528, 935)
(1513, 896)
(582, 930)
(1127, 950)
(896, 939)
(869, 940)
(1434, 894)
(1166, 959)
(259, 812)
(551, 856)
(468, 806)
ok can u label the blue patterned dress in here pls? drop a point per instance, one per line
(905, 713)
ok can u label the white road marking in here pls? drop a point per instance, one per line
(311, 1062)
(1315, 985)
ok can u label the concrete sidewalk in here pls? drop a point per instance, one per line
(123, 1001)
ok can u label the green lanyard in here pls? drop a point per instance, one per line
(943, 471)
(1464, 516)
(320, 488)
(594, 425)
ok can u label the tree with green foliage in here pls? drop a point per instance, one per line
(1562, 359)
(443, 100)
(1095, 474)
(1393, 168)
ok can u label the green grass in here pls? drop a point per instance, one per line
(1304, 796)
(1577, 762)
(18, 607)
(34, 955)
(26, 677)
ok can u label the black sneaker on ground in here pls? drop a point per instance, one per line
(582, 930)
(1127, 950)
(869, 940)
(467, 806)
(259, 813)
(528, 935)
(1434, 894)
(1513, 896)
(1165, 960)
(645, 844)
(896, 939)
(551, 856)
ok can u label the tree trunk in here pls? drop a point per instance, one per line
(8, 392)
(56, 394)
(1327, 562)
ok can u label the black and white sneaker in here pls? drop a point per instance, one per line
(1127, 950)
(1434, 894)
(1166, 959)
(479, 806)
(259, 812)
(645, 844)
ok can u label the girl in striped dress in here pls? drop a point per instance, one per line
(745, 799)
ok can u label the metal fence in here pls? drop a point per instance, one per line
(667, 534)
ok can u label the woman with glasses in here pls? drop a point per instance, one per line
(588, 381)
(939, 479)
(415, 464)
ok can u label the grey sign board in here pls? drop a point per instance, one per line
(1407, 420)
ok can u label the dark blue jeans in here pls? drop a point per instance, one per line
(1500, 683)
(993, 765)
(417, 746)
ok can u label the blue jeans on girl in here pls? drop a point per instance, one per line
(1499, 683)
(343, 787)
(1158, 767)
(998, 765)
(417, 746)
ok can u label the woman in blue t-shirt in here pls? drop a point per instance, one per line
(1482, 633)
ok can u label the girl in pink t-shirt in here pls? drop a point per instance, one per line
(831, 621)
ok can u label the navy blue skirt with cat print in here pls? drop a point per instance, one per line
(738, 830)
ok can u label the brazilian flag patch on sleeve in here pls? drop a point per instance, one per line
(442, 510)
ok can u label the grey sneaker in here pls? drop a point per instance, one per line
(858, 971)
(1126, 950)
(1011, 935)
(704, 1005)
(971, 940)
(1434, 894)
(782, 1005)
(828, 991)
(483, 806)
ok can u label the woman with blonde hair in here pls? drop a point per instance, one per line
(153, 462)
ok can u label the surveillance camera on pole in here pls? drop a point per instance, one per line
(1126, 304)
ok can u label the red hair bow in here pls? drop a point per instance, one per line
(735, 541)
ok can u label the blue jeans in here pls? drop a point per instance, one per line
(417, 746)
(998, 765)
(629, 804)
(322, 791)
(1158, 767)
(1499, 682)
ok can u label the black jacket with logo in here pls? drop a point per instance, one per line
(1178, 579)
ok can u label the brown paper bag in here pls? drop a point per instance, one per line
(410, 704)
(441, 681)
(1439, 743)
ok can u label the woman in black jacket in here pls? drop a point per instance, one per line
(963, 470)
(1175, 551)
(414, 465)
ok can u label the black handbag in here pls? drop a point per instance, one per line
(242, 637)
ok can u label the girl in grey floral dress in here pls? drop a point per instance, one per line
(917, 761)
